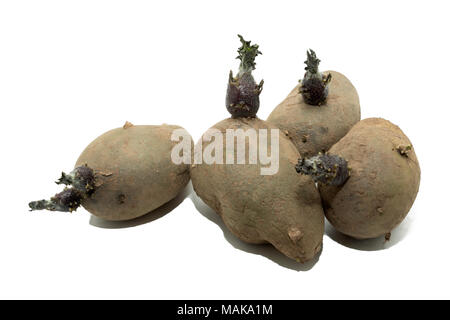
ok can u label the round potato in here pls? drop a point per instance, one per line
(383, 183)
(134, 171)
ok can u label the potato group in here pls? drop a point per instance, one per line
(363, 176)
(283, 209)
(313, 129)
(383, 183)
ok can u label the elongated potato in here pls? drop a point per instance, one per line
(280, 209)
(251, 184)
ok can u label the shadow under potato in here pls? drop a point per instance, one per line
(376, 244)
(149, 217)
(266, 250)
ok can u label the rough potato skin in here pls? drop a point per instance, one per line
(134, 171)
(283, 209)
(315, 129)
(382, 185)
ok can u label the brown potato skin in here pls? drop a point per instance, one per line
(382, 186)
(315, 129)
(283, 209)
(134, 171)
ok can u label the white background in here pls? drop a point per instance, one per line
(71, 70)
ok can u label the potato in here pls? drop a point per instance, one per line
(256, 204)
(280, 209)
(383, 183)
(133, 173)
(315, 128)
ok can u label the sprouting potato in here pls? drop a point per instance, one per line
(319, 111)
(276, 208)
(123, 174)
(369, 179)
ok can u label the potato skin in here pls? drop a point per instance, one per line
(283, 209)
(313, 129)
(134, 171)
(383, 183)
